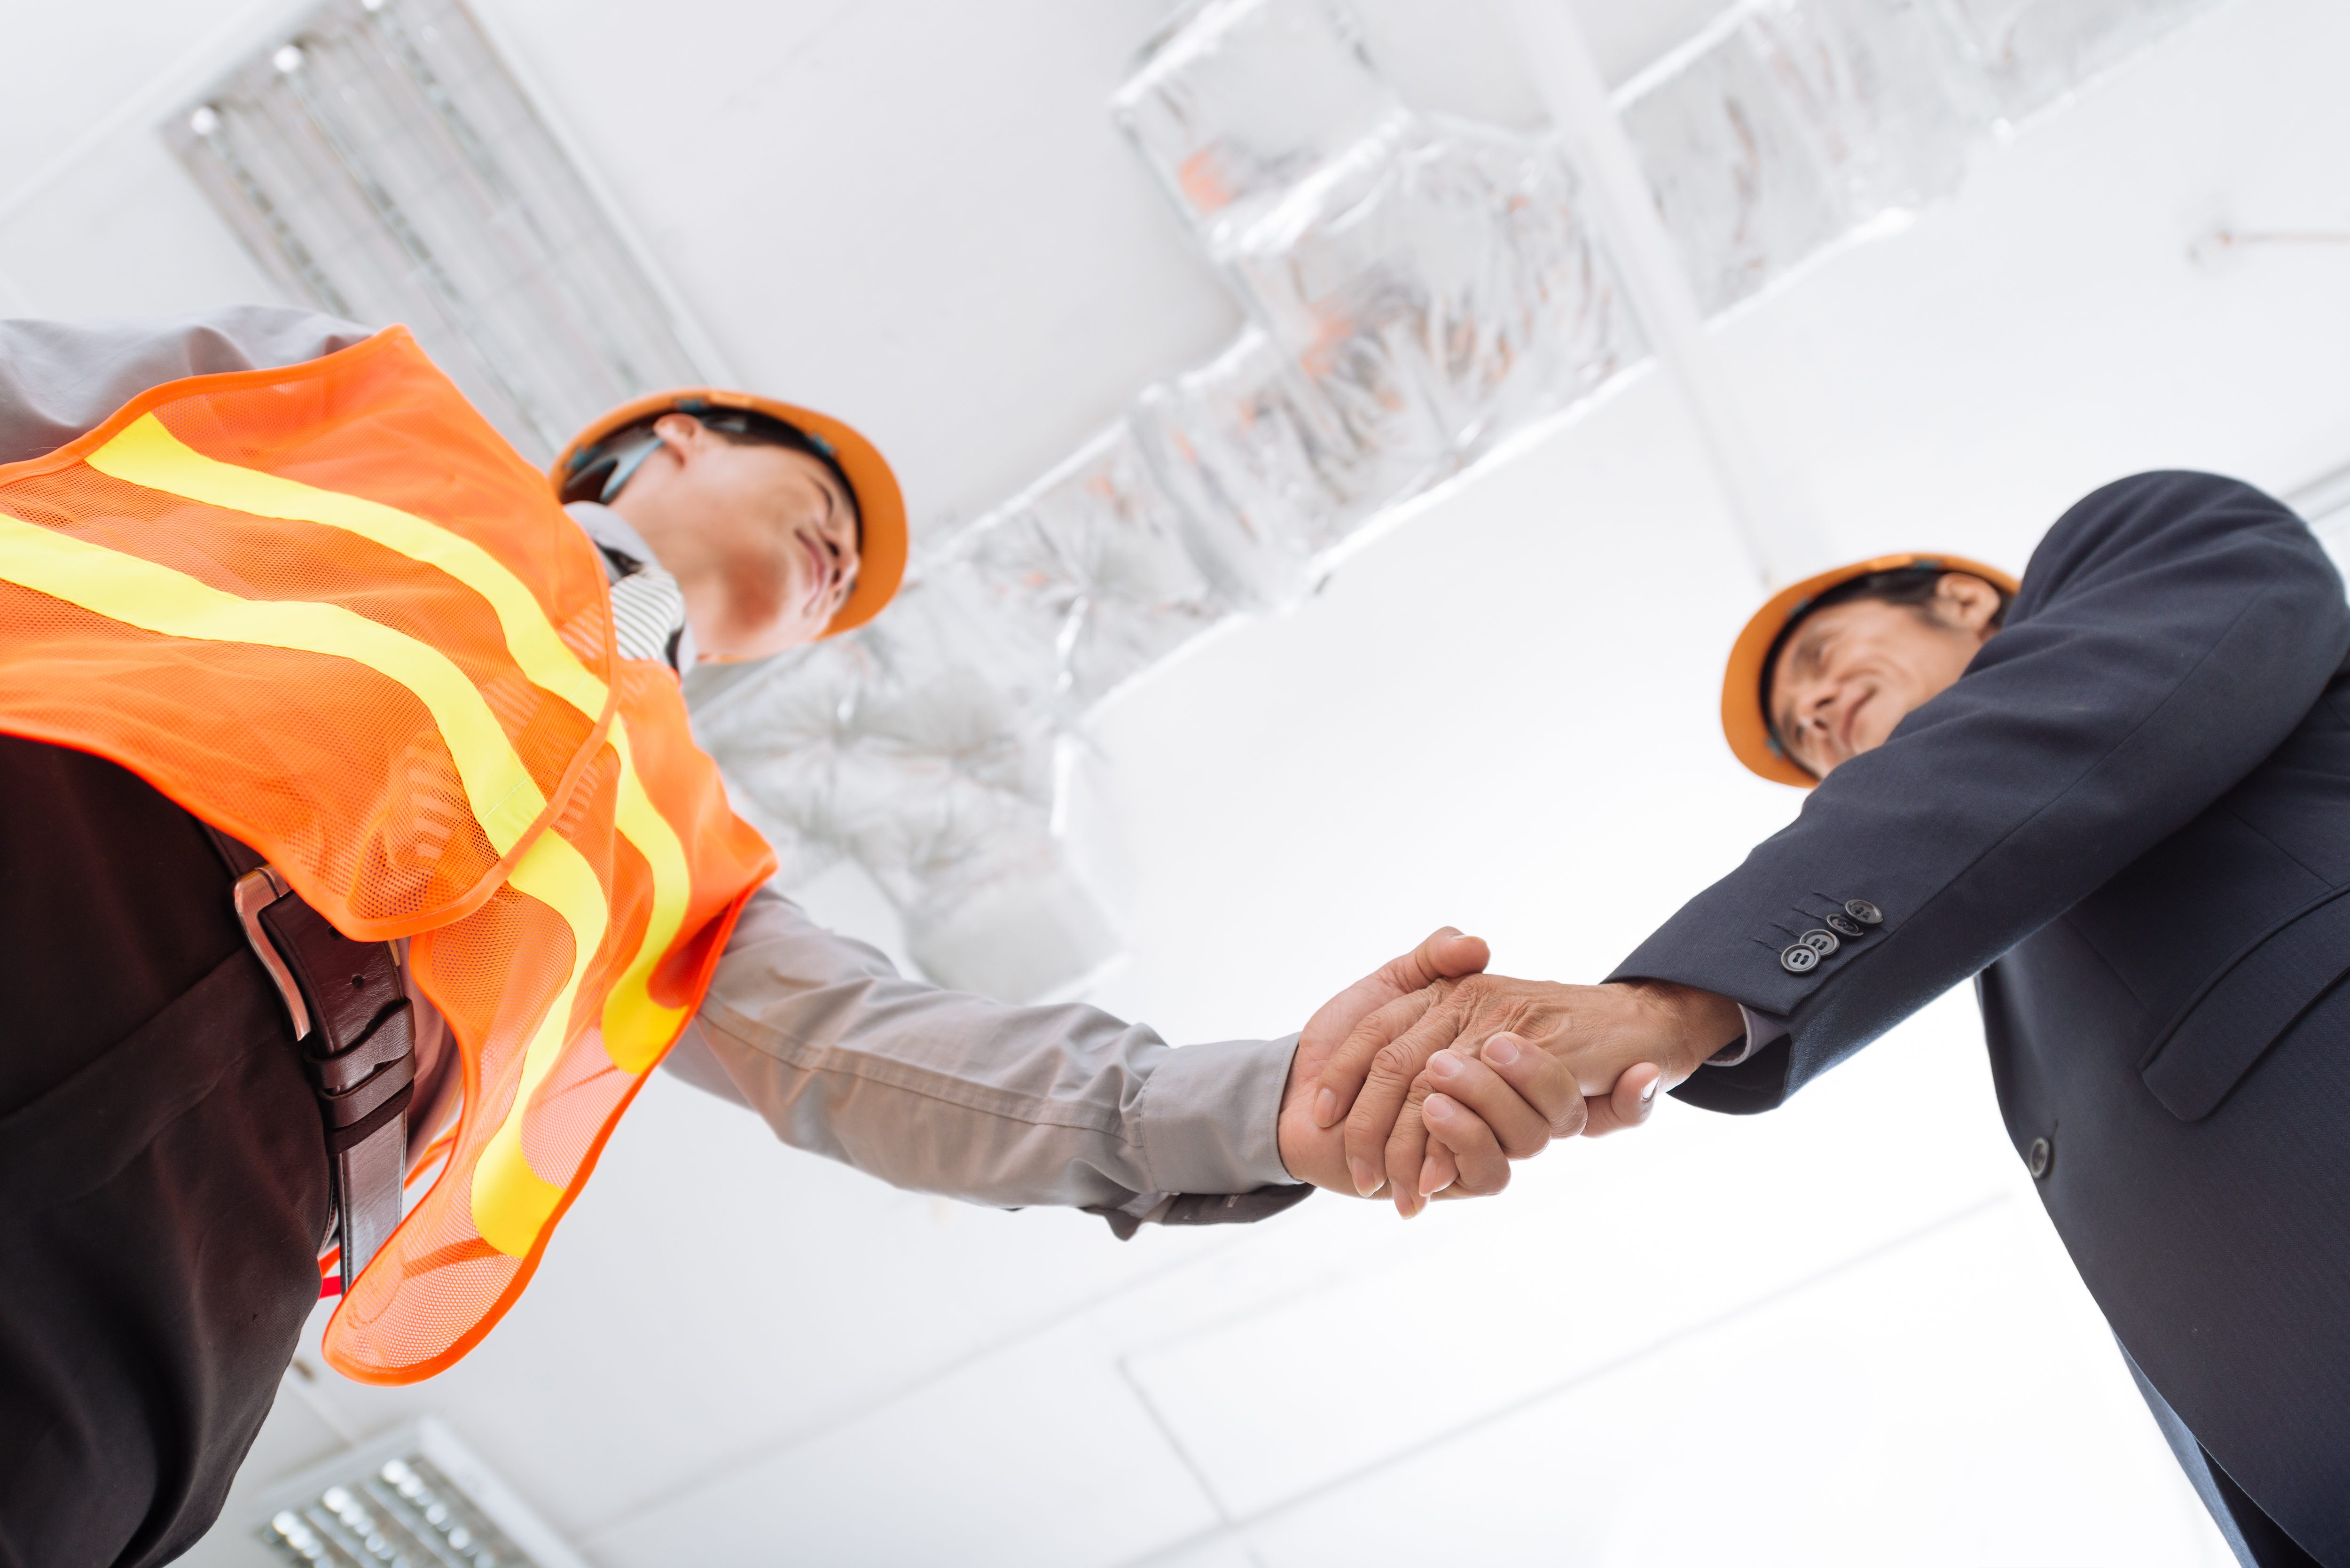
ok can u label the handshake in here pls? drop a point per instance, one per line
(1427, 1078)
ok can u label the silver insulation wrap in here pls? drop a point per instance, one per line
(1418, 289)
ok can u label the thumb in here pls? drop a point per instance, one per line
(1446, 954)
(1632, 1101)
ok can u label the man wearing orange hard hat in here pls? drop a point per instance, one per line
(2116, 795)
(779, 525)
(357, 841)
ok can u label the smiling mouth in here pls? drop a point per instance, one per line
(1852, 717)
(820, 571)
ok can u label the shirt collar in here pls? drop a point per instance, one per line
(625, 552)
(613, 535)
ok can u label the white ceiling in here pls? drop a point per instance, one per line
(916, 215)
(1840, 1334)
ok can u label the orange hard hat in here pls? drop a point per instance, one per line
(880, 506)
(1743, 720)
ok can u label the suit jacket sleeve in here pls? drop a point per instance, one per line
(2171, 632)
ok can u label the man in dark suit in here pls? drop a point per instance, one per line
(2118, 794)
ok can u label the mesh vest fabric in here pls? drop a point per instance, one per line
(328, 610)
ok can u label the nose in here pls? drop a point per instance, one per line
(1812, 707)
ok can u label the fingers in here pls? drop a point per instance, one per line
(1476, 1120)
(1438, 1170)
(1341, 1075)
(1468, 1116)
(1631, 1102)
(1528, 1087)
(1386, 1088)
(1490, 1126)
(1407, 1153)
(1483, 1164)
(1445, 955)
(1524, 1094)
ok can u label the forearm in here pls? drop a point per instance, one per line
(942, 1092)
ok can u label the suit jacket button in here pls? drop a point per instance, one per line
(1867, 913)
(1821, 942)
(2039, 1157)
(1800, 960)
(1845, 926)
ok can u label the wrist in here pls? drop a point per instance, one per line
(1686, 1027)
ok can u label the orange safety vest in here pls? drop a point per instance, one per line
(329, 611)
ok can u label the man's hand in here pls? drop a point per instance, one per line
(1523, 1061)
(1313, 1146)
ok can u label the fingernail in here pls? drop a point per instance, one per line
(1650, 1092)
(1500, 1050)
(1326, 1107)
(1444, 1065)
(1366, 1180)
(1437, 1106)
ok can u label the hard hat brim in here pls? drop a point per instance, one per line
(880, 506)
(1743, 722)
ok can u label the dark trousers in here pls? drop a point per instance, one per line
(163, 1172)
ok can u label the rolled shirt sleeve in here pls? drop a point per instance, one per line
(943, 1092)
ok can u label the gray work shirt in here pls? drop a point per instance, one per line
(928, 1089)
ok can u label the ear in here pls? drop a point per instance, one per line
(1964, 602)
(682, 434)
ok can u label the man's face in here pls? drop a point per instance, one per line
(763, 539)
(1852, 672)
(790, 532)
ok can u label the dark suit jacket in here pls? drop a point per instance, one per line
(2130, 819)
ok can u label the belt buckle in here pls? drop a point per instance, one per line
(361, 1083)
(255, 892)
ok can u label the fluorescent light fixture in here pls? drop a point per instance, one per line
(381, 162)
(415, 1498)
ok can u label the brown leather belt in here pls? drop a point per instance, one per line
(358, 1044)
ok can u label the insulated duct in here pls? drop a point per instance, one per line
(1418, 288)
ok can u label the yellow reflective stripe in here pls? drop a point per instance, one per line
(150, 456)
(153, 597)
(511, 1203)
(636, 1027)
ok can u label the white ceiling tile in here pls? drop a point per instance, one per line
(918, 217)
(1954, 1403)
(1038, 1456)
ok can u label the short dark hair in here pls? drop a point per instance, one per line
(593, 472)
(1912, 587)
